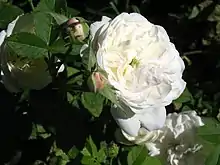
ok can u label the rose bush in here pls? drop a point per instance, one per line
(143, 65)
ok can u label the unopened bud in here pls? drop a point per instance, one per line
(113, 150)
(96, 81)
(77, 29)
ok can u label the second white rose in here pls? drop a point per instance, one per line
(18, 74)
(142, 64)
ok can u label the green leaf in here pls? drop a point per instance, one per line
(101, 155)
(194, 13)
(27, 45)
(90, 148)
(139, 156)
(186, 96)
(71, 71)
(213, 158)
(93, 102)
(135, 9)
(25, 23)
(88, 58)
(59, 152)
(73, 152)
(59, 18)
(70, 97)
(58, 160)
(72, 12)
(8, 13)
(75, 49)
(109, 93)
(87, 160)
(38, 23)
(59, 6)
(91, 155)
(215, 15)
(210, 131)
(59, 47)
(186, 108)
(43, 26)
(59, 157)
(39, 131)
(74, 75)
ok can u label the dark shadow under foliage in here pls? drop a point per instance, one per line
(68, 125)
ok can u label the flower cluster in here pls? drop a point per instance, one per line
(176, 140)
(141, 64)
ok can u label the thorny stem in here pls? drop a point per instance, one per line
(114, 8)
(192, 52)
(111, 161)
(31, 4)
(187, 60)
(127, 5)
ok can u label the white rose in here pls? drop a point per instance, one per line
(176, 141)
(32, 75)
(142, 64)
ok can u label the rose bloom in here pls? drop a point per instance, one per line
(143, 65)
(19, 74)
(176, 142)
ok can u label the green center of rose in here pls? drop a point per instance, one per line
(134, 63)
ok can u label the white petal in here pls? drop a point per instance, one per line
(61, 69)
(177, 89)
(84, 47)
(99, 58)
(106, 19)
(184, 122)
(97, 25)
(11, 26)
(138, 18)
(153, 118)
(144, 136)
(162, 33)
(153, 150)
(129, 124)
(2, 36)
(195, 118)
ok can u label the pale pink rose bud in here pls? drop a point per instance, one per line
(96, 81)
